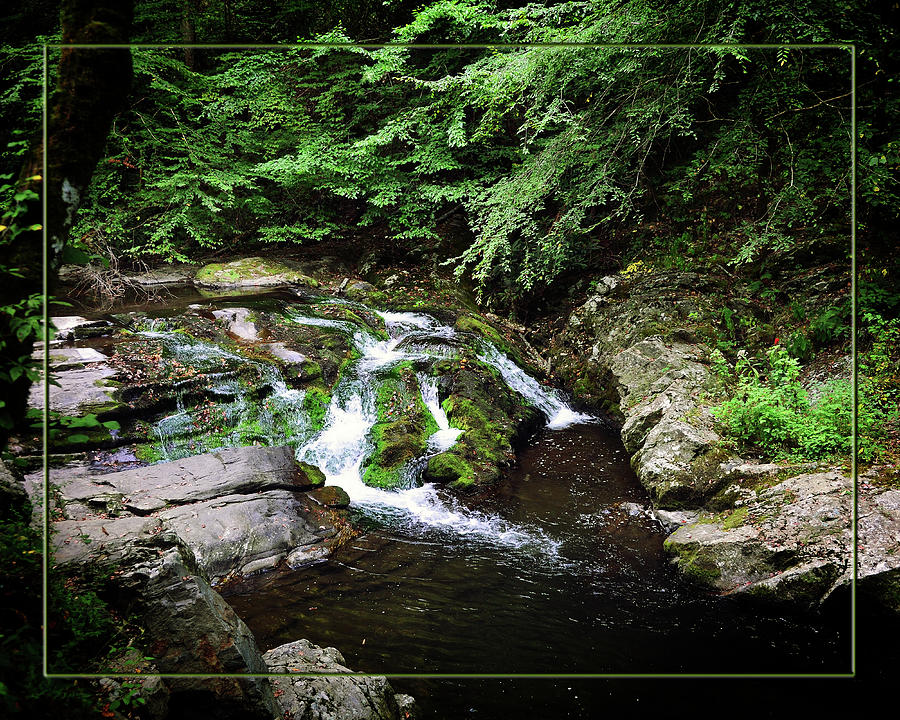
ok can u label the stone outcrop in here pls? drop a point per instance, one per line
(330, 698)
(252, 272)
(772, 531)
(649, 373)
(239, 510)
(167, 533)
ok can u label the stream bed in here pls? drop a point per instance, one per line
(556, 569)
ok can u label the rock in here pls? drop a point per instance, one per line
(241, 535)
(171, 275)
(81, 390)
(330, 496)
(189, 628)
(240, 322)
(71, 358)
(251, 272)
(329, 698)
(66, 325)
(228, 471)
(791, 543)
(359, 290)
(12, 490)
(878, 540)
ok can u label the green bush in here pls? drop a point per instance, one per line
(772, 410)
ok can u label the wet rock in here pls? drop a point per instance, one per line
(790, 543)
(240, 322)
(189, 628)
(330, 496)
(330, 698)
(252, 272)
(193, 479)
(240, 535)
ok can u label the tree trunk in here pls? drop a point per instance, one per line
(188, 33)
(91, 88)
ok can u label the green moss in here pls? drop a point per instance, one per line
(315, 406)
(449, 468)
(310, 475)
(695, 566)
(400, 433)
(149, 453)
(735, 519)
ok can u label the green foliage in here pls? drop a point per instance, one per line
(769, 408)
(546, 152)
(772, 410)
(80, 625)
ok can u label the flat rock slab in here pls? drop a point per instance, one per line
(241, 535)
(251, 272)
(201, 477)
(240, 322)
(78, 541)
(81, 390)
(330, 698)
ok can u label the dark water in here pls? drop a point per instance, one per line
(590, 592)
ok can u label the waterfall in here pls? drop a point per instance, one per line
(342, 444)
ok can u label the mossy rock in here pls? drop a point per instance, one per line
(251, 272)
(330, 496)
(401, 431)
(449, 468)
(309, 476)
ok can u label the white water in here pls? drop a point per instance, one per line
(558, 413)
(340, 449)
(446, 436)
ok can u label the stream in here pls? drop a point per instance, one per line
(559, 569)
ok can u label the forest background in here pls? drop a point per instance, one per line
(530, 168)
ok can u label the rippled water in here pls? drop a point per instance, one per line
(579, 585)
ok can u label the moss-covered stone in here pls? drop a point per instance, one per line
(252, 272)
(401, 431)
(309, 476)
(449, 468)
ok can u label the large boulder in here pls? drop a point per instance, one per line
(239, 510)
(330, 698)
(787, 540)
(252, 272)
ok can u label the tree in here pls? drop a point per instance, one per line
(92, 86)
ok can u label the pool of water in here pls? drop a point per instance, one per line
(580, 584)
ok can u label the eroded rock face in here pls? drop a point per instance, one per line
(650, 377)
(189, 628)
(239, 510)
(790, 541)
(330, 698)
(772, 531)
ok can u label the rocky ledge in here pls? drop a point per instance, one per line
(165, 534)
(774, 531)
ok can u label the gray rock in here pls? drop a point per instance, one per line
(174, 275)
(791, 542)
(319, 697)
(189, 628)
(240, 322)
(81, 390)
(193, 479)
(241, 535)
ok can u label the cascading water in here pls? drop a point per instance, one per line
(340, 448)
